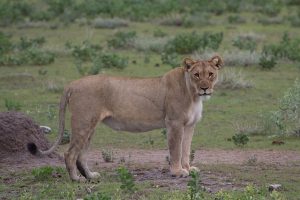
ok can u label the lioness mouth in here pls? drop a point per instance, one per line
(205, 94)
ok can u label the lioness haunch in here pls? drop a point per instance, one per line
(172, 101)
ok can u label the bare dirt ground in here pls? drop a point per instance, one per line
(151, 165)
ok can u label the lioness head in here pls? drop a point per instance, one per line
(201, 76)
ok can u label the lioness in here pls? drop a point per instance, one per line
(172, 101)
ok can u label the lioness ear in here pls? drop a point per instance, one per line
(217, 61)
(188, 63)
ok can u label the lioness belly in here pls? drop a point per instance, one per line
(132, 125)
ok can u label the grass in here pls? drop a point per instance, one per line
(25, 185)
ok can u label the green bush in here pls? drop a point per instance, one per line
(85, 51)
(159, 33)
(170, 59)
(26, 51)
(5, 43)
(188, 42)
(245, 43)
(216, 7)
(37, 57)
(286, 120)
(127, 181)
(108, 60)
(267, 61)
(26, 43)
(176, 20)
(236, 19)
(287, 48)
(14, 11)
(195, 190)
(122, 40)
(272, 8)
(240, 139)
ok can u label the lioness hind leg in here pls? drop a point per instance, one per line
(81, 162)
(81, 131)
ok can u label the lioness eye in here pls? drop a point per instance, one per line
(210, 74)
(197, 75)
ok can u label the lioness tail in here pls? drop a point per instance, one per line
(33, 149)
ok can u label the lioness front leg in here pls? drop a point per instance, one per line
(175, 133)
(186, 148)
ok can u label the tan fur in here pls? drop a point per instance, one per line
(172, 101)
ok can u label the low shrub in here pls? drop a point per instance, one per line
(256, 37)
(272, 8)
(170, 59)
(240, 139)
(270, 20)
(109, 23)
(84, 51)
(5, 43)
(231, 79)
(285, 121)
(200, 19)
(236, 19)
(38, 57)
(245, 44)
(233, 58)
(195, 191)
(99, 62)
(127, 181)
(176, 20)
(216, 7)
(149, 44)
(159, 33)
(108, 60)
(287, 49)
(295, 21)
(122, 40)
(26, 51)
(188, 42)
(14, 11)
(267, 61)
(26, 43)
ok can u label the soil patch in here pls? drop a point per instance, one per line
(16, 131)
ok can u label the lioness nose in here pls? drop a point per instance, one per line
(204, 88)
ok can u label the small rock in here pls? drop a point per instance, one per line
(275, 187)
(45, 129)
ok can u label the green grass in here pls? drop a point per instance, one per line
(24, 185)
(224, 108)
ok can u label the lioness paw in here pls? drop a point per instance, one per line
(180, 173)
(78, 179)
(193, 168)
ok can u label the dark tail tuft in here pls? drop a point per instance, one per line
(32, 148)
